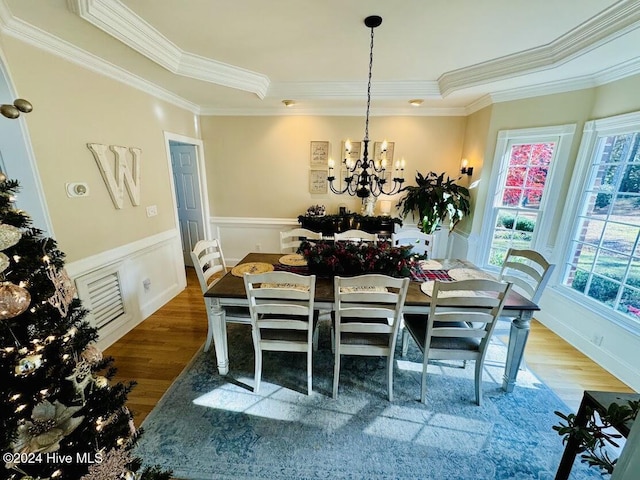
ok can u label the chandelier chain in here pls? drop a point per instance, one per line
(366, 124)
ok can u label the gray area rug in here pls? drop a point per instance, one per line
(212, 427)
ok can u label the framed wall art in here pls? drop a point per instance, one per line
(354, 152)
(318, 181)
(319, 154)
(378, 155)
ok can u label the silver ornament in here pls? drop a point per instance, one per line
(9, 236)
(28, 364)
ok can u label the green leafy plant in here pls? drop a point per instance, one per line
(433, 198)
(594, 437)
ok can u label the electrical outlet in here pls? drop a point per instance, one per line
(146, 283)
(152, 211)
(258, 247)
(597, 339)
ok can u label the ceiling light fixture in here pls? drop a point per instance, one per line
(416, 102)
(288, 103)
(365, 177)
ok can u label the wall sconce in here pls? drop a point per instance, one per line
(464, 169)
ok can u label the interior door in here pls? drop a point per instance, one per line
(187, 182)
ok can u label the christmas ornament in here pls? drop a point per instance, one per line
(9, 236)
(81, 378)
(28, 364)
(50, 423)
(129, 475)
(4, 262)
(92, 354)
(65, 290)
(113, 466)
(13, 300)
(101, 382)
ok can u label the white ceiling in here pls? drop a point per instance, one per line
(246, 56)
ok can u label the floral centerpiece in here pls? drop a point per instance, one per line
(326, 257)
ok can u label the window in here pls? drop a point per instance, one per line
(603, 260)
(522, 176)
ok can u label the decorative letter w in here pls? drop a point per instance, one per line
(125, 172)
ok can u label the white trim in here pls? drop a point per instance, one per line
(202, 179)
(114, 18)
(250, 222)
(100, 260)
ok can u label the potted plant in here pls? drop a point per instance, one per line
(433, 198)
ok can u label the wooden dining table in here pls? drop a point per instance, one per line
(229, 293)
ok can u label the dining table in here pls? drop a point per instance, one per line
(228, 293)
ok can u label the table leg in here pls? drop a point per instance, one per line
(218, 328)
(572, 446)
(518, 335)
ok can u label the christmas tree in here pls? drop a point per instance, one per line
(61, 416)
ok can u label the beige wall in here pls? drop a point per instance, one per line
(266, 159)
(72, 107)
(560, 109)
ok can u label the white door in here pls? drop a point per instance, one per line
(184, 162)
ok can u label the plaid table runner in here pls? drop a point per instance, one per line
(299, 269)
(420, 275)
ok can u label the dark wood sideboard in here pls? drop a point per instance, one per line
(383, 225)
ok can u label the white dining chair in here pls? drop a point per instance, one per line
(367, 314)
(355, 235)
(209, 264)
(461, 320)
(421, 242)
(282, 316)
(529, 272)
(291, 239)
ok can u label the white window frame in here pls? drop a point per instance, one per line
(592, 132)
(562, 136)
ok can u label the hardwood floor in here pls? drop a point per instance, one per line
(156, 351)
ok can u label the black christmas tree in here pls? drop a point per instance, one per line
(61, 415)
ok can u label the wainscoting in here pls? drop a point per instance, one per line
(123, 286)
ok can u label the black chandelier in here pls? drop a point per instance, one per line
(365, 177)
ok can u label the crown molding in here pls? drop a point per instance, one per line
(334, 112)
(611, 23)
(45, 41)
(120, 22)
(356, 90)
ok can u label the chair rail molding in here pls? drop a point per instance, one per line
(151, 272)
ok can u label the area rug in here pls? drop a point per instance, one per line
(212, 427)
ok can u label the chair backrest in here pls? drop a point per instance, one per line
(466, 309)
(421, 242)
(290, 240)
(355, 236)
(370, 296)
(529, 272)
(281, 296)
(208, 260)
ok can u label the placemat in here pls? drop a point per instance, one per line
(293, 260)
(427, 288)
(251, 267)
(469, 274)
(430, 265)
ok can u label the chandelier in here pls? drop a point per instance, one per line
(366, 177)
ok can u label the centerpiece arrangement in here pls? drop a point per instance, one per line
(328, 258)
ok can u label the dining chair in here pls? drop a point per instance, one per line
(529, 272)
(421, 242)
(209, 264)
(367, 315)
(282, 316)
(355, 236)
(291, 239)
(461, 320)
